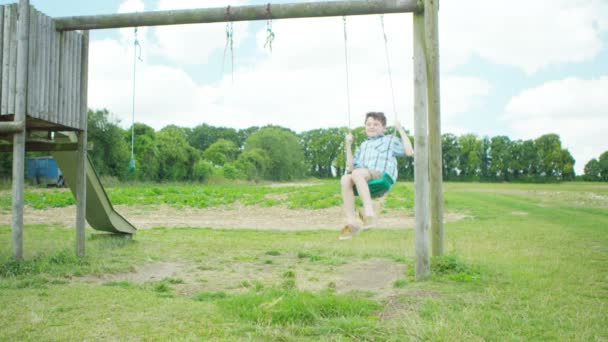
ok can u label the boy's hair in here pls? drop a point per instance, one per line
(378, 116)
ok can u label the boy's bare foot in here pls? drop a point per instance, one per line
(348, 231)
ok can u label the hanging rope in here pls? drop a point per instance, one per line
(347, 76)
(136, 49)
(269, 32)
(229, 42)
(388, 65)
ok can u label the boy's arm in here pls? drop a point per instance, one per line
(349, 152)
(407, 145)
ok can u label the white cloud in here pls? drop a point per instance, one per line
(529, 35)
(192, 44)
(576, 109)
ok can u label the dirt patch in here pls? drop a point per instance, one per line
(145, 273)
(233, 216)
(374, 276)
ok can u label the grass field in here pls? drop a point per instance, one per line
(529, 262)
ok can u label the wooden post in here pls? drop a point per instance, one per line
(81, 179)
(1, 49)
(19, 138)
(421, 158)
(431, 45)
(238, 13)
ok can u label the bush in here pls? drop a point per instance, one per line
(230, 171)
(203, 170)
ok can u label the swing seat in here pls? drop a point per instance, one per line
(379, 186)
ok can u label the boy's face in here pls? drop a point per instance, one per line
(373, 127)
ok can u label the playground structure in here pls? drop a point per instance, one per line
(44, 92)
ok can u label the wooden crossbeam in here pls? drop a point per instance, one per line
(238, 13)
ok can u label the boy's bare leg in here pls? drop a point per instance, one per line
(360, 178)
(348, 197)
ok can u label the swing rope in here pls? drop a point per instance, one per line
(388, 65)
(229, 42)
(269, 32)
(136, 45)
(378, 187)
(347, 76)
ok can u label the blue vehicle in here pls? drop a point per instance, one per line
(44, 171)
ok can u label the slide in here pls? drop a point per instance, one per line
(99, 211)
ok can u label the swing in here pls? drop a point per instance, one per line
(378, 187)
(135, 58)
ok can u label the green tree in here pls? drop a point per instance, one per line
(450, 150)
(530, 159)
(284, 149)
(501, 154)
(321, 148)
(469, 163)
(485, 161)
(202, 136)
(202, 170)
(549, 148)
(253, 163)
(603, 161)
(177, 157)
(593, 171)
(222, 151)
(110, 153)
(146, 152)
(566, 165)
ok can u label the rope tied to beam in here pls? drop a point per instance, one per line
(347, 76)
(229, 42)
(388, 65)
(269, 32)
(136, 56)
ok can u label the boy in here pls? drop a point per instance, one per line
(372, 158)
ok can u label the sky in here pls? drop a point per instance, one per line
(518, 68)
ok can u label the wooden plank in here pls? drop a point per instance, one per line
(78, 80)
(72, 84)
(42, 147)
(44, 57)
(81, 179)
(61, 80)
(6, 43)
(421, 158)
(19, 138)
(431, 45)
(55, 61)
(238, 13)
(32, 75)
(12, 65)
(1, 49)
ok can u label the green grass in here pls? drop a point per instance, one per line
(529, 262)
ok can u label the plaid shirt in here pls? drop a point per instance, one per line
(378, 153)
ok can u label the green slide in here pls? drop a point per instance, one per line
(99, 211)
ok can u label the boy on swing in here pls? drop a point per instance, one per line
(375, 156)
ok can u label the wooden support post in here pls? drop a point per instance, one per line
(81, 179)
(431, 45)
(1, 49)
(421, 158)
(19, 138)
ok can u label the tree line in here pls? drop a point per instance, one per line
(280, 154)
